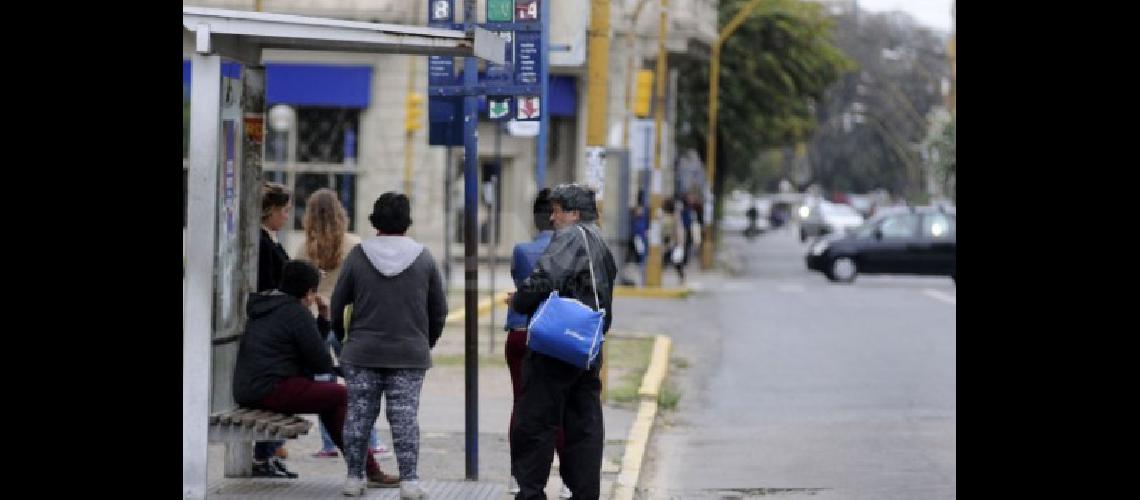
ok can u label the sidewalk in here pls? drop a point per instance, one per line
(442, 434)
(442, 414)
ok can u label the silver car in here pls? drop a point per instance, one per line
(827, 218)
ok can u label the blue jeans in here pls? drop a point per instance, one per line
(326, 441)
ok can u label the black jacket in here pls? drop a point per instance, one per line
(280, 340)
(564, 266)
(271, 259)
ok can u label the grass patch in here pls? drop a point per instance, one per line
(668, 398)
(627, 359)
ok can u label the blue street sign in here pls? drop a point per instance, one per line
(441, 70)
(527, 57)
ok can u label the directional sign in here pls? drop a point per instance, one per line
(527, 57)
(499, 108)
(441, 11)
(528, 107)
(499, 11)
(526, 10)
(501, 73)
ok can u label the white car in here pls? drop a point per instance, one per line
(827, 218)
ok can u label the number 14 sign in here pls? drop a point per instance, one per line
(526, 10)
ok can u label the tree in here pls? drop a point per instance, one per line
(773, 69)
(872, 120)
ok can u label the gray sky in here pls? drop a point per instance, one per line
(932, 13)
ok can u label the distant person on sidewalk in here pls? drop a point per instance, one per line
(271, 258)
(523, 259)
(327, 242)
(398, 312)
(555, 392)
(281, 352)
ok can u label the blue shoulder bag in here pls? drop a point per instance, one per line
(566, 328)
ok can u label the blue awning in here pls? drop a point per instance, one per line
(318, 85)
(308, 84)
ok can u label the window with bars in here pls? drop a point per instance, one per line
(325, 156)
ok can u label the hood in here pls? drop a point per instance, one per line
(391, 255)
(261, 304)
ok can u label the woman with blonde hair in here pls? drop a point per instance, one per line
(327, 242)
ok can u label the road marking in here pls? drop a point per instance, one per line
(952, 300)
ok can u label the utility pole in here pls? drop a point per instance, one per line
(653, 266)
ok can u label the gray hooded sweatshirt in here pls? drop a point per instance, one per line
(398, 304)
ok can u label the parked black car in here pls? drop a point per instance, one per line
(919, 241)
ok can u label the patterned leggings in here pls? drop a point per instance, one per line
(402, 389)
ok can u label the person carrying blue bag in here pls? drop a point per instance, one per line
(577, 265)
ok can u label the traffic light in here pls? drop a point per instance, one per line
(643, 93)
(414, 113)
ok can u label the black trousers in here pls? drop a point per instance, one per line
(553, 393)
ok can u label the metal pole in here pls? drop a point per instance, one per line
(710, 158)
(653, 266)
(197, 308)
(544, 83)
(447, 211)
(471, 253)
(491, 251)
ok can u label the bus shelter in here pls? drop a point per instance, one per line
(227, 118)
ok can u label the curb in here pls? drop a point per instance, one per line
(652, 292)
(457, 315)
(626, 482)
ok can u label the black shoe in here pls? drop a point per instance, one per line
(272, 468)
(280, 466)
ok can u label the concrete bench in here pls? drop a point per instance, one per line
(239, 428)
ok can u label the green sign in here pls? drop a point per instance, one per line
(498, 108)
(500, 11)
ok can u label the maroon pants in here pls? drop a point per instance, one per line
(515, 348)
(329, 400)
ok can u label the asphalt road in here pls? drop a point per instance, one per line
(795, 387)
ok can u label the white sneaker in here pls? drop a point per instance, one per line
(565, 492)
(354, 487)
(513, 486)
(411, 490)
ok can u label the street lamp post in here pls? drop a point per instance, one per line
(710, 159)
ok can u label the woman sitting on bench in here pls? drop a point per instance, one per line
(282, 350)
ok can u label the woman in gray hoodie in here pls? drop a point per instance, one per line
(398, 313)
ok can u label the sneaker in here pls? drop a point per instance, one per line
(565, 492)
(326, 454)
(411, 490)
(513, 486)
(379, 479)
(268, 469)
(354, 487)
(279, 464)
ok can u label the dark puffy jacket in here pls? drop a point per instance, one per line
(280, 341)
(564, 266)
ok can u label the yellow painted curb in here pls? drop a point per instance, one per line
(638, 440)
(652, 292)
(484, 306)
